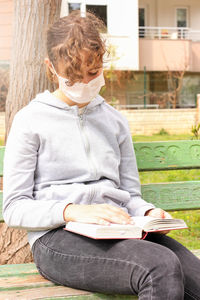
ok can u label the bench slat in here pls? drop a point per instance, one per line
(10, 283)
(169, 155)
(44, 293)
(165, 155)
(58, 293)
(18, 270)
(22, 281)
(173, 196)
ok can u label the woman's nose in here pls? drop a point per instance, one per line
(86, 81)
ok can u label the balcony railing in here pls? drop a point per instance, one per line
(183, 33)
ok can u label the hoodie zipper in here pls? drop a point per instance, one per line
(92, 193)
(87, 146)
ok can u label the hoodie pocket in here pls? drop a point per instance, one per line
(64, 191)
(77, 193)
(111, 196)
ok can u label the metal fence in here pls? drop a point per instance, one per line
(173, 33)
(147, 92)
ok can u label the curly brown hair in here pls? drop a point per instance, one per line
(68, 38)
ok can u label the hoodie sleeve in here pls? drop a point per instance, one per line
(20, 210)
(129, 177)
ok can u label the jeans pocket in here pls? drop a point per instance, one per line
(46, 238)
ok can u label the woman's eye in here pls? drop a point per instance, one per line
(67, 83)
(93, 74)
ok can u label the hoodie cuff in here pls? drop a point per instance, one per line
(138, 206)
(65, 210)
(58, 211)
(142, 210)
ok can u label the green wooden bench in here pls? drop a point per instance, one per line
(23, 281)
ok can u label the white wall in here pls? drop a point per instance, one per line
(163, 13)
(123, 33)
(122, 17)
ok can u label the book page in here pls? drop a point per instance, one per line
(141, 221)
(156, 224)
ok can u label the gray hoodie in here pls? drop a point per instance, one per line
(55, 156)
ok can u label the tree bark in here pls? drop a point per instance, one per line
(27, 70)
(27, 78)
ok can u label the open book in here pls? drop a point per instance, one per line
(117, 231)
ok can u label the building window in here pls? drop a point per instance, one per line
(99, 10)
(141, 22)
(141, 16)
(181, 17)
(182, 22)
(73, 6)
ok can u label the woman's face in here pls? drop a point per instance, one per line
(89, 73)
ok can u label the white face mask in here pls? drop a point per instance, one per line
(81, 92)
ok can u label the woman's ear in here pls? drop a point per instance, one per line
(48, 64)
(50, 71)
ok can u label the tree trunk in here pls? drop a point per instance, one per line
(27, 78)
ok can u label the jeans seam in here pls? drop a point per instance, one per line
(100, 258)
(47, 276)
(151, 285)
(150, 280)
(83, 256)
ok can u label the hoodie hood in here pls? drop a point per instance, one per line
(49, 99)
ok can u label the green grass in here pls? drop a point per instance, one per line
(188, 237)
(160, 137)
(1, 142)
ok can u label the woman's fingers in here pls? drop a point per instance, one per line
(114, 214)
(96, 213)
(116, 209)
(167, 215)
(158, 213)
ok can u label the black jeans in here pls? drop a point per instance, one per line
(154, 269)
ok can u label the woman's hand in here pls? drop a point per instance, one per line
(102, 214)
(159, 213)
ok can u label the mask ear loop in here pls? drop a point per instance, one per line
(54, 69)
(58, 76)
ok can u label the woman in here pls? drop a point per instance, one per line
(69, 157)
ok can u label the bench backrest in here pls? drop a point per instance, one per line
(156, 156)
(170, 155)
